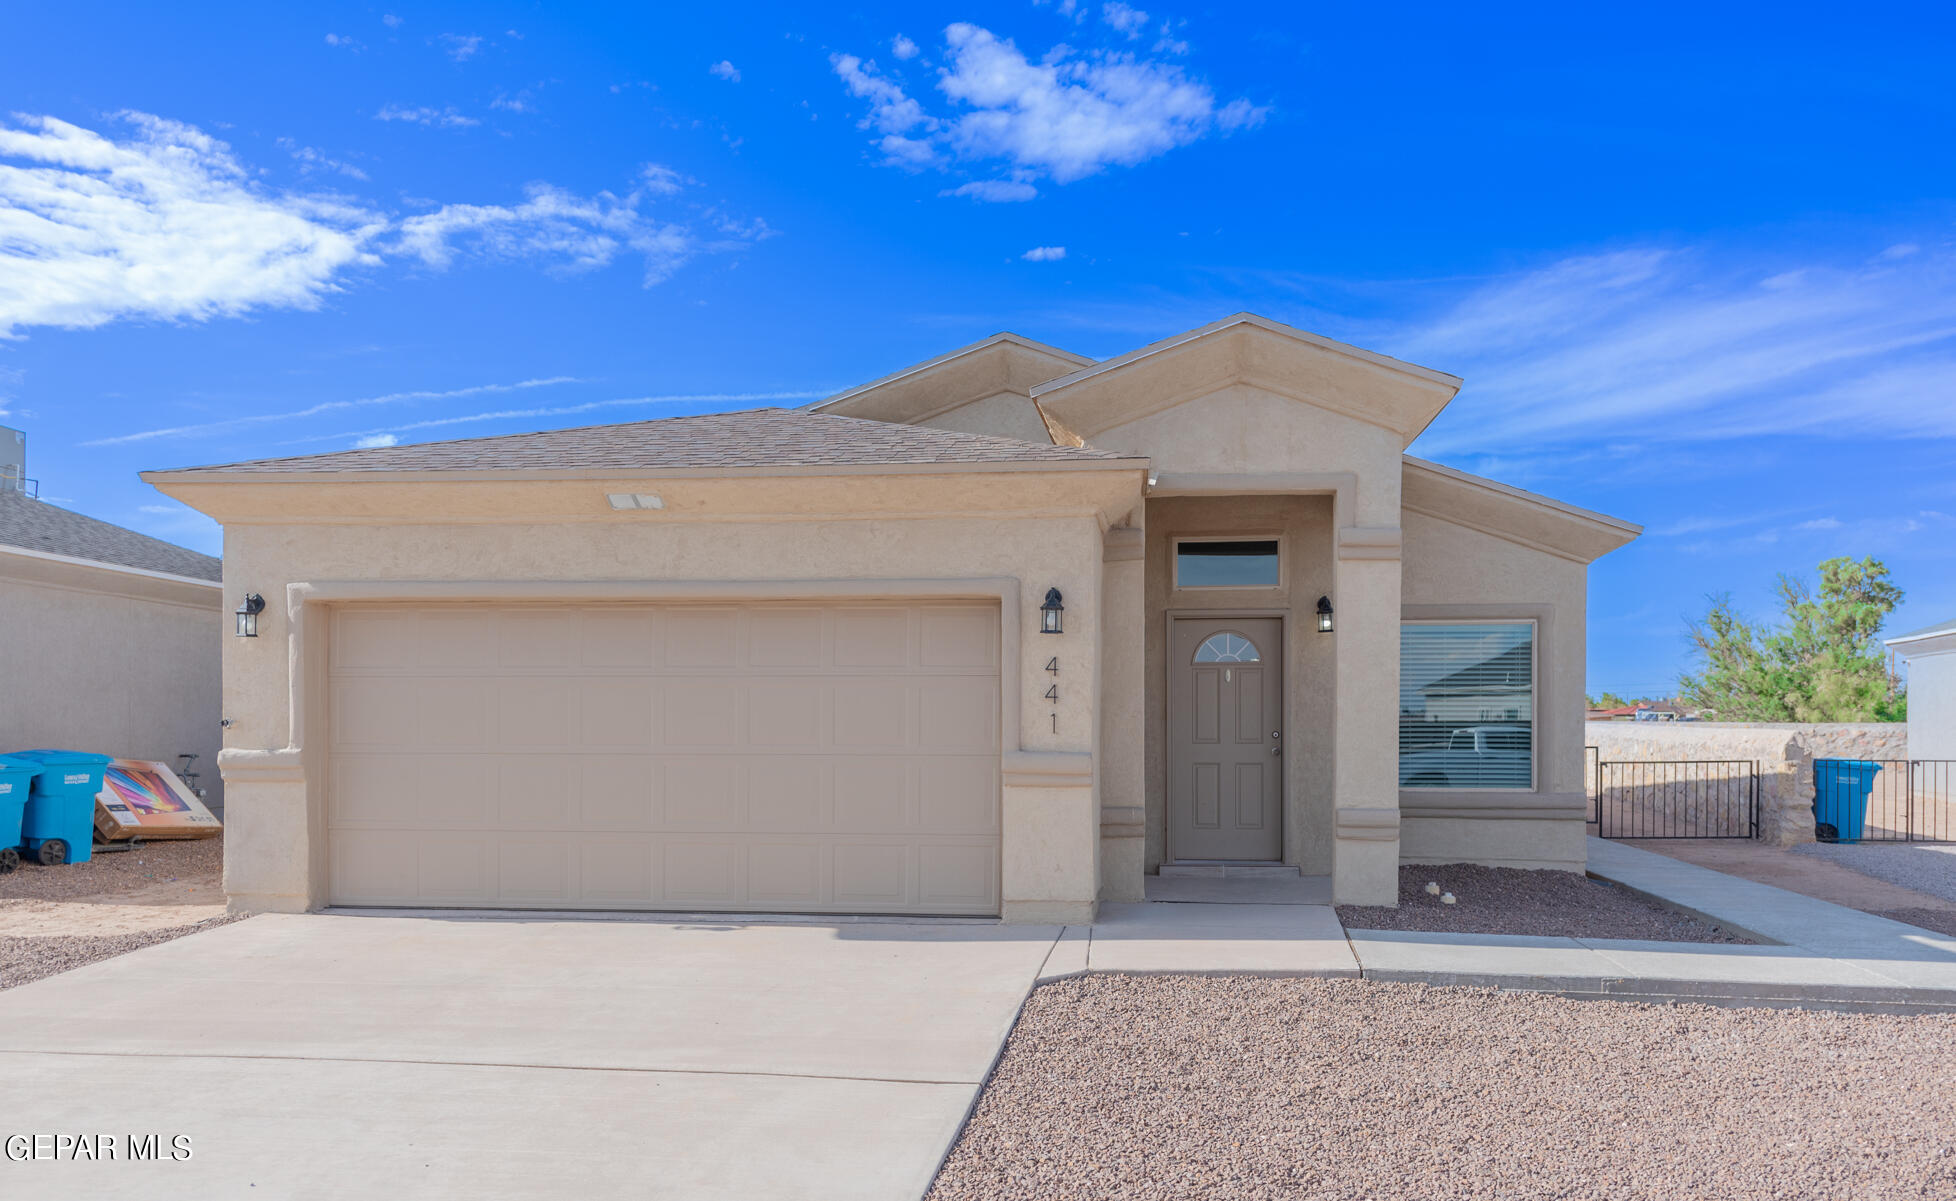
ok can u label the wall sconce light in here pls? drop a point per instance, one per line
(247, 615)
(1049, 613)
(1324, 615)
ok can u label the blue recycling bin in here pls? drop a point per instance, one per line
(16, 776)
(59, 824)
(1840, 797)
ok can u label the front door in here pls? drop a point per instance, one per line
(1225, 732)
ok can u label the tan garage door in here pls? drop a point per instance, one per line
(774, 757)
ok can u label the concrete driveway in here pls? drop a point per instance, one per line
(332, 1055)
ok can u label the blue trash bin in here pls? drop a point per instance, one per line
(1840, 797)
(16, 777)
(59, 824)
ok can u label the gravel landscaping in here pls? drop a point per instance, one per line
(24, 960)
(1157, 1087)
(1923, 867)
(195, 862)
(1508, 900)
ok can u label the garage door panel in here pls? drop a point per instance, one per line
(617, 711)
(701, 712)
(958, 876)
(958, 795)
(702, 873)
(957, 714)
(786, 714)
(790, 794)
(786, 638)
(877, 637)
(456, 637)
(873, 873)
(701, 637)
(873, 712)
(619, 871)
(701, 793)
(537, 870)
(532, 712)
(791, 757)
(618, 793)
(618, 638)
(958, 638)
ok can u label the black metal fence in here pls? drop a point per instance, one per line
(1676, 798)
(1909, 800)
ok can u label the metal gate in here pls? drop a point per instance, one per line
(1912, 800)
(1677, 798)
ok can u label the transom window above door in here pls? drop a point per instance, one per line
(1227, 648)
(1227, 563)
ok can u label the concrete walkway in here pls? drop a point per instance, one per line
(1819, 953)
(334, 1056)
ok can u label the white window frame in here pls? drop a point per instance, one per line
(1534, 699)
(1175, 562)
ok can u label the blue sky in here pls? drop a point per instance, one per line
(1695, 264)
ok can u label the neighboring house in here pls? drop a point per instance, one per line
(109, 640)
(1643, 711)
(1931, 656)
(797, 660)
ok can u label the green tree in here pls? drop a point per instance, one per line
(1823, 663)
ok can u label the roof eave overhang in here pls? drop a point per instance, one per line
(162, 479)
(144, 573)
(1511, 513)
(1924, 642)
(981, 369)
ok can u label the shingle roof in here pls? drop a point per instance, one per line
(753, 438)
(1941, 627)
(37, 525)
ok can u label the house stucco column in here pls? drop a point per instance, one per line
(1365, 849)
(1123, 723)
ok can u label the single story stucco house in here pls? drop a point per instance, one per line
(110, 640)
(1930, 653)
(1000, 633)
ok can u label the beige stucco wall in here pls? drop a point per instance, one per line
(1303, 524)
(94, 659)
(1451, 572)
(1051, 831)
(1006, 415)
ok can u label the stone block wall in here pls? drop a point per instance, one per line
(1785, 753)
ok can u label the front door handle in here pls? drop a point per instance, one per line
(1276, 750)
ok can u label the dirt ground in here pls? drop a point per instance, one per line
(1507, 900)
(56, 918)
(1157, 1087)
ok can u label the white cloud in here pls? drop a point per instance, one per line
(446, 117)
(522, 102)
(566, 231)
(461, 47)
(372, 441)
(903, 48)
(1124, 18)
(168, 224)
(92, 230)
(1065, 117)
(311, 160)
(1671, 344)
(344, 42)
(1820, 523)
(725, 70)
(391, 21)
(329, 406)
(1044, 254)
(994, 191)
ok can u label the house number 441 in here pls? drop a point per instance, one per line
(1052, 693)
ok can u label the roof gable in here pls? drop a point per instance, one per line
(1510, 513)
(1003, 363)
(1245, 349)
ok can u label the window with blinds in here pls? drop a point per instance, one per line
(1467, 704)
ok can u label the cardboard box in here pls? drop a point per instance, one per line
(140, 799)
